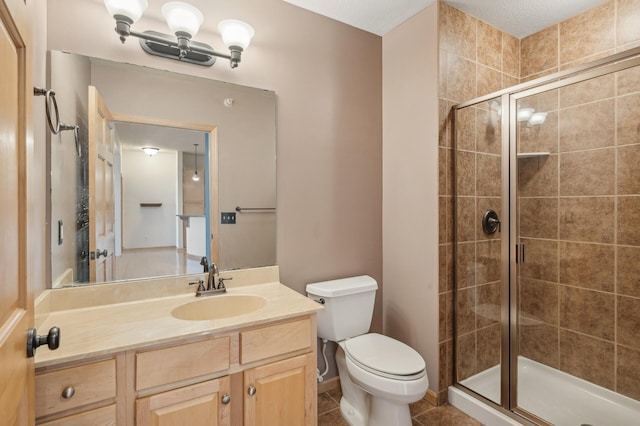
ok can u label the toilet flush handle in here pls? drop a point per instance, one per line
(320, 301)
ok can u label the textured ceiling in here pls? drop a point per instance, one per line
(517, 17)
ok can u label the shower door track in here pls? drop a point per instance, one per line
(509, 301)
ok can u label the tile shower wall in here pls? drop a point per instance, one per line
(580, 284)
(475, 59)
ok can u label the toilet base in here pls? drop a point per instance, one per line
(359, 408)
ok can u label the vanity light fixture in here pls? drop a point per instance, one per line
(184, 21)
(196, 176)
(150, 150)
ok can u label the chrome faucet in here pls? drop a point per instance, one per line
(211, 282)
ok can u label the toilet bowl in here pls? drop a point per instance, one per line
(379, 376)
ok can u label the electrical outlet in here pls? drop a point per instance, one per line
(228, 218)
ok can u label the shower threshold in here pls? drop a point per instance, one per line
(559, 398)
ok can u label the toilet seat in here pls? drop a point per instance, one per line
(385, 357)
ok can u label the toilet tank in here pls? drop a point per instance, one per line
(348, 306)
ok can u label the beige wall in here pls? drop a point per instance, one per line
(327, 77)
(410, 185)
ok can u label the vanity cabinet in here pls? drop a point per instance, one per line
(258, 375)
(280, 391)
(206, 403)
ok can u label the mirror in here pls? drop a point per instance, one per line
(163, 222)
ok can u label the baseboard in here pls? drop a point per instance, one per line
(329, 385)
(431, 397)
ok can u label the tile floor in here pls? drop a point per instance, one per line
(422, 412)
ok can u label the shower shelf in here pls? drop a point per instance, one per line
(533, 154)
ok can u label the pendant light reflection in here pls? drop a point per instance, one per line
(196, 176)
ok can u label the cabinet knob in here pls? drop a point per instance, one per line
(252, 390)
(226, 399)
(68, 392)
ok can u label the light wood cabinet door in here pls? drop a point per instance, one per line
(282, 393)
(196, 405)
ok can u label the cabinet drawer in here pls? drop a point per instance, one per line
(168, 365)
(91, 383)
(105, 416)
(266, 342)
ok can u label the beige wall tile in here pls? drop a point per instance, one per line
(588, 172)
(540, 343)
(628, 373)
(466, 128)
(587, 358)
(541, 260)
(628, 80)
(488, 80)
(457, 31)
(539, 52)
(628, 271)
(589, 266)
(588, 219)
(588, 91)
(488, 175)
(545, 102)
(540, 138)
(466, 362)
(488, 304)
(587, 311)
(628, 174)
(539, 218)
(488, 257)
(465, 265)
(628, 16)
(628, 321)
(489, 130)
(510, 55)
(628, 221)
(628, 111)
(489, 46)
(587, 126)
(539, 301)
(444, 125)
(465, 173)
(488, 347)
(538, 176)
(442, 73)
(587, 33)
(509, 81)
(461, 78)
(466, 218)
(586, 60)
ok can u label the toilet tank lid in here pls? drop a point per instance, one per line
(343, 286)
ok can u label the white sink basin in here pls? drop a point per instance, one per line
(218, 307)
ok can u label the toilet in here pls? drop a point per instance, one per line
(379, 376)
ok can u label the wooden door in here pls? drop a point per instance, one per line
(281, 393)
(204, 404)
(101, 190)
(16, 302)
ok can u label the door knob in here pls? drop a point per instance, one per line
(101, 253)
(52, 340)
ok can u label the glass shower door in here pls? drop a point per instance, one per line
(478, 293)
(578, 249)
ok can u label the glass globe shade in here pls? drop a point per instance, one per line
(132, 9)
(182, 17)
(236, 33)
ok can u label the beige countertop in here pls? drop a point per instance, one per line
(92, 331)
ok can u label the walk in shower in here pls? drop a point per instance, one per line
(547, 246)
